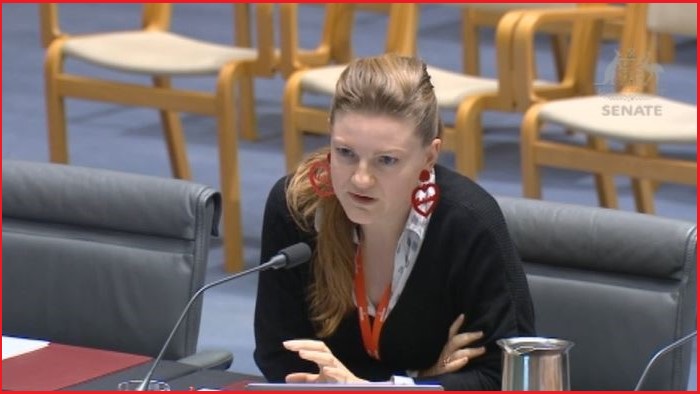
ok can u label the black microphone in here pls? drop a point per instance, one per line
(288, 257)
(660, 353)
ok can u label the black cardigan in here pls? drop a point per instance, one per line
(467, 264)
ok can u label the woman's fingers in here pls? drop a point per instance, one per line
(320, 358)
(301, 377)
(455, 340)
(330, 374)
(466, 338)
(308, 344)
(456, 349)
(454, 328)
(331, 370)
(340, 375)
(460, 358)
(454, 363)
(469, 353)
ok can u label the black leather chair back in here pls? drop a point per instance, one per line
(103, 259)
(621, 285)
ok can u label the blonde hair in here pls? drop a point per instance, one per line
(388, 85)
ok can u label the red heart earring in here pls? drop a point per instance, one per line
(425, 196)
(320, 177)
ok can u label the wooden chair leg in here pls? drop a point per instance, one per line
(293, 137)
(666, 48)
(652, 150)
(174, 137)
(605, 184)
(246, 87)
(529, 135)
(55, 106)
(560, 49)
(228, 169)
(341, 45)
(468, 148)
(643, 189)
(249, 122)
(470, 37)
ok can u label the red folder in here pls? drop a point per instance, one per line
(57, 366)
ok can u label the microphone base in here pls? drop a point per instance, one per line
(137, 385)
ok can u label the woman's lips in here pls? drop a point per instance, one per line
(361, 199)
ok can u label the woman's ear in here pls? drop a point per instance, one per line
(433, 152)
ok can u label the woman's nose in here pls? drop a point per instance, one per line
(362, 178)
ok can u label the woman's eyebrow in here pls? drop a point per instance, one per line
(391, 150)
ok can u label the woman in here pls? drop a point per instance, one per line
(394, 235)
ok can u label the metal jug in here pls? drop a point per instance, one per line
(535, 364)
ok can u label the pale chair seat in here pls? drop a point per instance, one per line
(467, 95)
(634, 115)
(631, 118)
(155, 53)
(160, 55)
(451, 88)
(321, 80)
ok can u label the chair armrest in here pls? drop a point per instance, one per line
(209, 359)
(48, 21)
(156, 16)
(267, 62)
(402, 29)
(241, 24)
(293, 58)
(504, 56)
(524, 69)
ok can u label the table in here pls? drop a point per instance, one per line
(166, 371)
(75, 368)
(55, 366)
(214, 379)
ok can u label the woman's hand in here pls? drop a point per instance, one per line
(331, 370)
(455, 354)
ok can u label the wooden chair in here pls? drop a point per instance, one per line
(470, 95)
(155, 52)
(334, 42)
(623, 116)
(320, 79)
(476, 16)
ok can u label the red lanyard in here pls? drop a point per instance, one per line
(370, 336)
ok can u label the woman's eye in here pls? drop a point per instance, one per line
(387, 160)
(345, 152)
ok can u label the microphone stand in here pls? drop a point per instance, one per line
(276, 262)
(660, 353)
